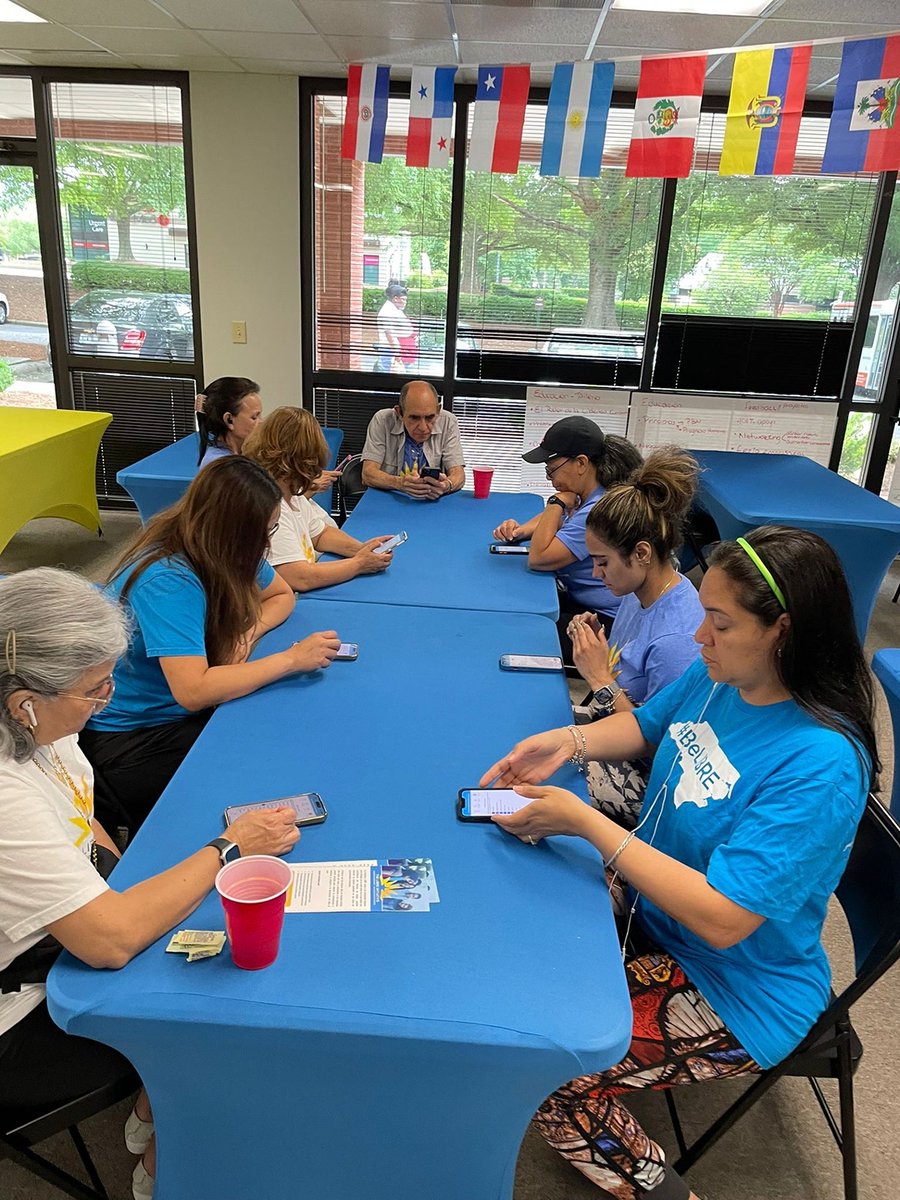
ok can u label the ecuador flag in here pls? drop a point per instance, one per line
(864, 133)
(764, 110)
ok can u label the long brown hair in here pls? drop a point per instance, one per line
(290, 445)
(220, 529)
(650, 507)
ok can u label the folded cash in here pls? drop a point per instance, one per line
(196, 943)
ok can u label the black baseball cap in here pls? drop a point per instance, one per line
(396, 289)
(571, 436)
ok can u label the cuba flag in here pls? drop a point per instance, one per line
(864, 133)
(579, 101)
(430, 117)
(767, 93)
(499, 118)
(366, 116)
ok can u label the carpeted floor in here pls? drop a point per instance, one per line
(781, 1151)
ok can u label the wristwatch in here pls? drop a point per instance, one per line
(227, 850)
(606, 696)
(556, 500)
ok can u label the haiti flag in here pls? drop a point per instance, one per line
(498, 118)
(666, 114)
(366, 116)
(430, 117)
(767, 92)
(864, 133)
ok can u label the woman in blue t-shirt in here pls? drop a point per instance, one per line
(199, 594)
(228, 410)
(763, 754)
(632, 534)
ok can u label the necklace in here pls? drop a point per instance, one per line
(62, 776)
(674, 579)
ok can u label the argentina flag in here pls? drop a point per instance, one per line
(576, 119)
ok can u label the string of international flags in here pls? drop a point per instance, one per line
(761, 127)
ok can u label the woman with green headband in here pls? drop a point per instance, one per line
(763, 752)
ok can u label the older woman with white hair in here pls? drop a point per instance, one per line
(59, 640)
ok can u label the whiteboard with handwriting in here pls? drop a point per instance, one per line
(546, 405)
(754, 426)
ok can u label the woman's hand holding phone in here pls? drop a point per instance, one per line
(370, 563)
(266, 831)
(507, 531)
(314, 652)
(553, 811)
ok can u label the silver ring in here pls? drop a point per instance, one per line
(531, 839)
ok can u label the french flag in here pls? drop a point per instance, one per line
(430, 117)
(864, 133)
(499, 117)
(366, 115)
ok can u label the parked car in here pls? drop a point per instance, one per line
(577, 342)
(4, 308)
(148, 324)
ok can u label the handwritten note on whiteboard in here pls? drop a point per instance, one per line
(753, 426)
(546, 405)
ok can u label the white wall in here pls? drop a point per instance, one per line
(247, 191)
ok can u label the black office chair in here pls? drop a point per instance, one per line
(350, 486)
(24, 1130)
(869, 894)
(700, 531)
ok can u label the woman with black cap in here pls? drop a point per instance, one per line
(396, 336)
(582, 462)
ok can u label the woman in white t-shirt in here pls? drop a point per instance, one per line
(290, 445)
(59, 641)
(396, 335)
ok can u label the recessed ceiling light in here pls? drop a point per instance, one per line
(15, 12)
(709, 8)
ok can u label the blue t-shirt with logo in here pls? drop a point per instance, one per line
(413, 456)
(167, 605)
(650, 647)
(765, 802)
(578, 577)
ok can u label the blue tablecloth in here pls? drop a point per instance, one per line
(389, 1051)
(742, 491)
(446, 563)
(162, 478)
(886, 665)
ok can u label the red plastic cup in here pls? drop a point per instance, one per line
(482, 479)
(252, 891)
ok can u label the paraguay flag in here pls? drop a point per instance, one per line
(499, 116)
(767, 93)
(576, 119)
(666, 113)
(864, 133)
(430, 117)
(366, 115)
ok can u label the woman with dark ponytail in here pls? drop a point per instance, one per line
(632, 534)
(227, 412)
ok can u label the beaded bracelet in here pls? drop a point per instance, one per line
(580, 751)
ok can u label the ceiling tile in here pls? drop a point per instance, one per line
(263, 16)
(274, 66)
(362, 18)
(153, 41)
(183, 62)
(520, 52)
(16, 36)
(305, 47)
(799, 31)
(404, 52)
(71, 58)
(12, 59)
(129, 13)
(878, 12)
(681, 32)
(558, 25)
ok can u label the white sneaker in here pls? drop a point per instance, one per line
(141, 1182)
(137, 1134)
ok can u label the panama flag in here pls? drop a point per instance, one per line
(666, 113)
(366, 115)
(576, 119)
(864, 133)
(500, 100)
(767, 93)
(430, 117)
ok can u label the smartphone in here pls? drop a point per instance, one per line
(430, 472)
(508, 548)
(392, 543)
(347, 652)
(530, 662)
(340, 466)
(480, 804)
(307, 805)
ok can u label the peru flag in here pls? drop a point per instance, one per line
(499, 117)
(366, 116)
(666, 114)
(864, 132)
(430, 117)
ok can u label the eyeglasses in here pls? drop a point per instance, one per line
(274, 528)
(103, 693)
(551, 471)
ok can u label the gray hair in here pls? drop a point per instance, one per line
(54, 626)
(414, 383)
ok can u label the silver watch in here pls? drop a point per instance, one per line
(606, 696)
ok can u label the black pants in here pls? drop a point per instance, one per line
(41, 1067)
(133, 768)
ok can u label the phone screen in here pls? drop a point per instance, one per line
(530, 662)
(508, 548)
(390, 544)
(489, 802)
(307, 805)
(348, 650)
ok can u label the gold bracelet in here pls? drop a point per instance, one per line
(579, 753)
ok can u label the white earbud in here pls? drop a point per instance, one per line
(28, 707)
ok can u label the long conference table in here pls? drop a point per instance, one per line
(743, 491)
(48, 458)
(393, 1050)
(446, 561)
